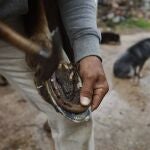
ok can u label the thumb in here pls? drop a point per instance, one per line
(86, 92)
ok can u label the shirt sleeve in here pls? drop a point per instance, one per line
(79, 19)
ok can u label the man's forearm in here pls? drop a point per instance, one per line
(79, 18)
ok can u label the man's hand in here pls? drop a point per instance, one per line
(95, 85)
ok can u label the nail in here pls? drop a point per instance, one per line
(85, 101)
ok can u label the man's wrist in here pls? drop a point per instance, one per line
(86, 46)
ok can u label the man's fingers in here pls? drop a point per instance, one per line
(93, 77)
(86, 92)
(98, 96)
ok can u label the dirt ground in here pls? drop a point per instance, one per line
(121, 123)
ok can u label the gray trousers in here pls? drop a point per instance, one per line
(66, 134)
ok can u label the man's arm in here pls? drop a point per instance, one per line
(79, 18)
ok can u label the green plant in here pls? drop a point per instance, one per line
(139, 23)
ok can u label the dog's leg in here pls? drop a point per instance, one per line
(40, 33)
(136, 77)
(140, 71)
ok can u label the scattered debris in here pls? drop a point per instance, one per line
(117, 11)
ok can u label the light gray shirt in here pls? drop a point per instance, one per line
(79, 18)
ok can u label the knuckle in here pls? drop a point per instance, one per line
(91, 76)
(106, 87)
(102, 76)
(86, 93)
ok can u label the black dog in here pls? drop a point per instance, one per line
(110, 38)
(131, 63)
